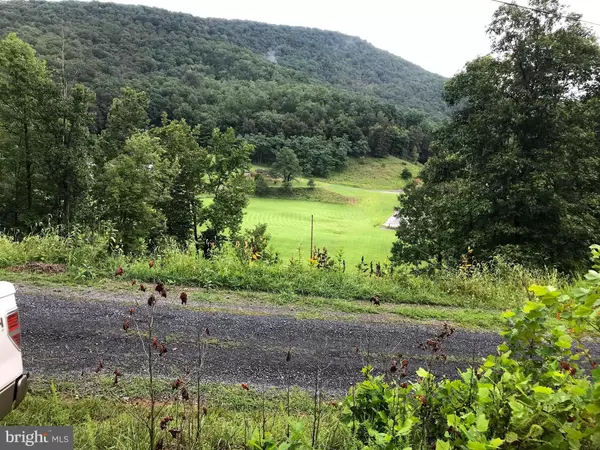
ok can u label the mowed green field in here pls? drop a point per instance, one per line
(354, 227)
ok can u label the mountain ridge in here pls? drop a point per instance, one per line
(309, 52)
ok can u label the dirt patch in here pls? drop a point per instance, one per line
(39, 267)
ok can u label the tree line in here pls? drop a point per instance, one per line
(147, 182)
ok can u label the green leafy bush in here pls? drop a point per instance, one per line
(261, 188)
(406, 174)
(541, 391)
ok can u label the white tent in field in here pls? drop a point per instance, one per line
(392, 222)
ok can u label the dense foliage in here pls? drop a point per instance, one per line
(542, 390)
(270, 81)
(145, 182)
(516, 172)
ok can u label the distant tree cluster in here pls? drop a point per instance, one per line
(144, 181)
(327, 96)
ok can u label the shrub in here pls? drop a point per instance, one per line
(533, 394)
(311, 183)
(406, 174)
(261, 188)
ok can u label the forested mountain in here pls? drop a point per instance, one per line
(270, 83)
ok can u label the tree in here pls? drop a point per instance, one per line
(286, 165)
(134, 185)
(516, 172)
(406, 174)
(128, 114)
(183, 207)
(67, 162)
(261, 188)
(228, 160)
(26, 92)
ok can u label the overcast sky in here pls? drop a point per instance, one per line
(439, 35)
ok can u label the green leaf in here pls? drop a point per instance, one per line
(452, 420)
(482, 423)
(490, 362)
(582, 311)
(593, 408)
(507, 314)
(442, 445)
(565, 341)
(531, 306)
(422, 373)
(542, 390)
(574, 434)
(538, 291)
(535, 431)
(476, 446)
(495, 443)
(511, 437)
(592, 275)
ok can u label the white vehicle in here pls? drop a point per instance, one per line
(13, 382)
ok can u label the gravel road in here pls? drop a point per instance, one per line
(66, 332)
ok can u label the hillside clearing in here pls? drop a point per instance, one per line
(375, 173)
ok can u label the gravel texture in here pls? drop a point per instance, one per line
(67, 331)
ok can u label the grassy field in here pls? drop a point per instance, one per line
(354, 226)
(374, 173)
(349, 210)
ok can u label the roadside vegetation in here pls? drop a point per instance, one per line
(539, 391)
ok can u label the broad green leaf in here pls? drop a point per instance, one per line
(538, 291)
(422, 373)
(582, 311)
(511, 437)
(476, 446)
(495, 443)
(531, 306)
(593, 408)
(507, 314)
(574, 434)
(535, 431)
(490, 362)
(442, 445)
(565, 341)
(482, 423)
(592, 275)
(542, 390)
(580, 292)
(452, 420)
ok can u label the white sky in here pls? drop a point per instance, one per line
(439, 35)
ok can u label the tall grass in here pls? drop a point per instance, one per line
(489, 287)
(232, 415)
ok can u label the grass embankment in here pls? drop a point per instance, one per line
(109, 417)
(473, 301)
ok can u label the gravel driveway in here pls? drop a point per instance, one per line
(66, 332)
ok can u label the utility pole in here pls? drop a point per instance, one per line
(312, 226)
